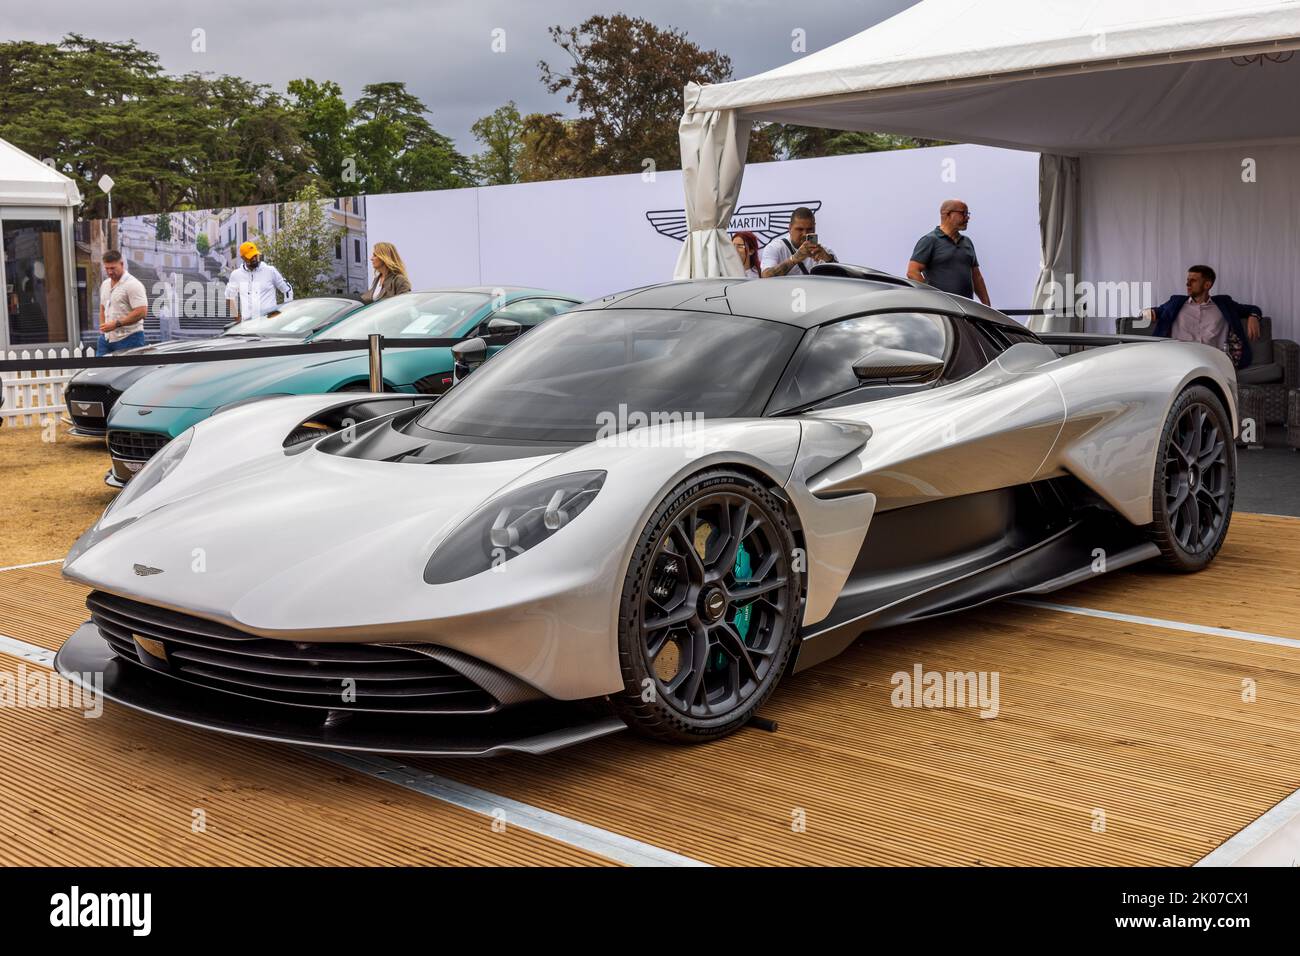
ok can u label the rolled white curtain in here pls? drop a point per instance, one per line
(713, 144)
(1058, 223)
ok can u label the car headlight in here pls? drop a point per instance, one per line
(510, 524)
(159, 467)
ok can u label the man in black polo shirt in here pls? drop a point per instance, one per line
(946, 259)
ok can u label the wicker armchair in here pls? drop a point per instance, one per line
(1293, 418)
(1273, 371)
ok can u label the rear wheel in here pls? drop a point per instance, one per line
(1195, 481)
(709, 612)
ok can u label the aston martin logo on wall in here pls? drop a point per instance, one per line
(767, 221)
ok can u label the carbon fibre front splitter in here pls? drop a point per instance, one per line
(532, 728)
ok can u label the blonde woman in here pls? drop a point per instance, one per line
(390, 273)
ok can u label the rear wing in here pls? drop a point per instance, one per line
(1067, 342)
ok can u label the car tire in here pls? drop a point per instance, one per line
(1195, 481)
(730, 609)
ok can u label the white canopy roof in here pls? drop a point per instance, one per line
(26, 181)
(1108, 75)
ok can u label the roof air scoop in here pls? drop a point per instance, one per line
(844, 270)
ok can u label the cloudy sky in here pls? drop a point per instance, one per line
(442, 49)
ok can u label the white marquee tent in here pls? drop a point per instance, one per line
(37, 208)
(1169, 130)
(26, 181)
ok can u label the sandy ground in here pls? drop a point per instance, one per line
(50, 492)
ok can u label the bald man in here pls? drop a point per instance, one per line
(946, 259)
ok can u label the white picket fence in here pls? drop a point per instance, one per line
(32, 398)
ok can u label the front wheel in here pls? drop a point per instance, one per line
(709, 610)
(1195, 481)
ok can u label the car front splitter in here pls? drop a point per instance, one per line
(534, 728)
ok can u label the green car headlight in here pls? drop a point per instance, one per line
(159, 467)
(510, 524)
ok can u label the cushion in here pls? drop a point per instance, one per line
(1261, 350)
(1258, 374)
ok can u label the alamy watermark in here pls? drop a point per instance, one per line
(133, 911)
(191, 299)
(1112, 300)
(43, 688)
(946, 689)
(624, 428)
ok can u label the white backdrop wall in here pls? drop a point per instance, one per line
(592, 236)
(1146, 217)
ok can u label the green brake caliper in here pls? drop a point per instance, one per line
(742, 571)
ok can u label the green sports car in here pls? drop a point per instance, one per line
(165, 403)
(92, 392)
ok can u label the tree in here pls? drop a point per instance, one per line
(92, 107)
(193, 141)
(322, 116)
(250, 148)
(202, 245)
(502, 134)
(554, 148)
(396, 148)
(626, 80)
(303, 247)
(163, 227)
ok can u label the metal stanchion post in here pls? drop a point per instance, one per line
(376, 362)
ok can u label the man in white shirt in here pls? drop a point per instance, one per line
(123, 305)
(252, 287)
(794, 253)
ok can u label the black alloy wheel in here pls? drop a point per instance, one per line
(710, 609)
(1195, 480)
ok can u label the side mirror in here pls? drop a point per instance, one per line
(503, 330)
(881, 365)
(467, 356)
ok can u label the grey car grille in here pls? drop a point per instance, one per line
(379, 678)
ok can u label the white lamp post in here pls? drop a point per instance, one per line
(106, 184)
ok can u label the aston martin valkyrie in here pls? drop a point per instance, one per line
(644, 514)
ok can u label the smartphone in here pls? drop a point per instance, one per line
(811, 237)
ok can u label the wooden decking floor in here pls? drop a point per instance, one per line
(1115, 743)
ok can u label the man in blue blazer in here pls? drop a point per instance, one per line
(1201, 317)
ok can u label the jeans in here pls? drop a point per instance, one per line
(132, 341)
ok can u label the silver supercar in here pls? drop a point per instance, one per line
(643, 514)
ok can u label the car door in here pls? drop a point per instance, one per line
(989, 421)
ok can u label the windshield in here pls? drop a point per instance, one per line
(577, 374)
(418, 315)
(298, 318)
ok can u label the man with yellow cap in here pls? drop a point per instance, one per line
(252, 286)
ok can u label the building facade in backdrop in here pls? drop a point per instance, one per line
(185, 258)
